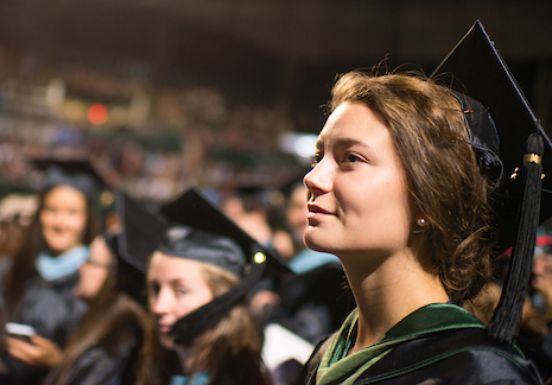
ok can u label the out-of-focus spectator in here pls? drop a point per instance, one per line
(532, 332)
(247, 209)
(16, 212)
(542, 284)
(296, 214)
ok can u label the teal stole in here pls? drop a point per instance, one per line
(337, 367)
(52, 268)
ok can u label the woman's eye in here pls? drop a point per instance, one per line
(181, 291)
(351, 158)
(153, 289)
(316, 159)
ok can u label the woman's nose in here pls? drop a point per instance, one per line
(162, 302)
(319, 179)
(538, 265)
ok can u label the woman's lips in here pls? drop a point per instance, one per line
(316, 211)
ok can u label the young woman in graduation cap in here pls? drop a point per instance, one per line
(37, 289)
(416, 188)
(200, 269)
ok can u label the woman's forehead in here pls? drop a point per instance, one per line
(173, 267)
(351, 123)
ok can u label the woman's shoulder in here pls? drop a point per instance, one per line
(465, 355)
(97, 366)
(126, 321)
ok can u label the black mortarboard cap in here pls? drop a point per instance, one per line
(479, 71)
(513, 145)
(141, 232)
(130, 280)
(194, 210)
(79, 174)
(192, 243)
(140, 235)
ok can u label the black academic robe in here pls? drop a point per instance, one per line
(457, 357)
(455, 352)
(113, 359)
(465, 356)
(314, 303)
(51, 308)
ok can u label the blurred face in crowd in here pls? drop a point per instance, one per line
(94, 272)
(63, 218)
(358, 199)
(542, 274)
(296, 213)
(176, 287)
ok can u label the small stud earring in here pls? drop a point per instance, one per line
(422, 222)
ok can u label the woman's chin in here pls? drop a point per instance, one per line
(313, 242)
(166, 341)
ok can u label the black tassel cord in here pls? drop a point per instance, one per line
(507, 317)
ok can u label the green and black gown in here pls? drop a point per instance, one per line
(437, 344)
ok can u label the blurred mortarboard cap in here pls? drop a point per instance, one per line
(130, 280)
(192, 243)
(79, 174)
(189, 221)
(141, 232)
(194, 210)
(139, 236)
(512, 141)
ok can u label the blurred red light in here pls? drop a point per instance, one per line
(97, 114)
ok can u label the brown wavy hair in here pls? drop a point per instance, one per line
(230, 349)
(426, 124)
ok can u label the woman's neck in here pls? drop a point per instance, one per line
(56, 253)
(388, 291)
(189, 362)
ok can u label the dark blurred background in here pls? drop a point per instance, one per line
(164, 94)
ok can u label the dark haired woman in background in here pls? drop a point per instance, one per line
(38, 286)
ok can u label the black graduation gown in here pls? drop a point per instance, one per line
(465, 356)
(314, 303)
(51, 308)
(112, 361)
(453, 355)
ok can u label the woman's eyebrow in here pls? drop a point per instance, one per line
(349, 142)
(177, 281)
(342, 142)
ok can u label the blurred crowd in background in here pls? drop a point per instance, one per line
(153, 140)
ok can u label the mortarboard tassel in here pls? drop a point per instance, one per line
(507, 317)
